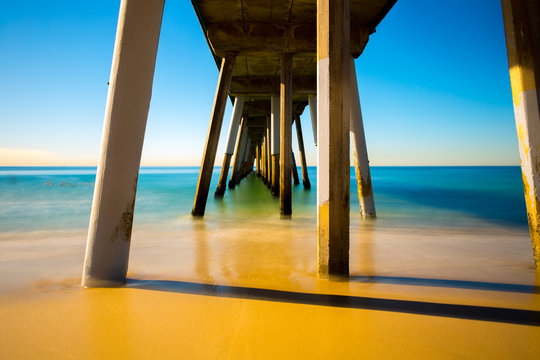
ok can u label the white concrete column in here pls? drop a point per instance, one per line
(231, 142)
(333, 171)
(522, 29)
(359, 149)
(312, 101)
(235, 123)
(128, 100)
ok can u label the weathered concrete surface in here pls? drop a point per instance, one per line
(333, 137)
(301, 150)
(359, 149)
(522, 28)
(286, 101)
(212, 139)
(128, 100)
(237, 153)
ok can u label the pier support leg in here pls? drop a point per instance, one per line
(294, 170)
(231, 141)
(359, 150)
(333, 137)
(128, 100)
(257, 160)
(305, 177)
(212, 139)
(268, 151)
(238, 154)
(312, 101)
(285, 192)
(275, 146)
(522, 28)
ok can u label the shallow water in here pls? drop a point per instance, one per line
(46, 198)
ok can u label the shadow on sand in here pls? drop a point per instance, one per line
(483, 313)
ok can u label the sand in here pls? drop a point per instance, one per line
(206, 289)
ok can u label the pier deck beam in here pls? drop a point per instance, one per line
(212, 139)
(231, 141)
(275, 146)
(359, 150)
(522, 29)
(303, 164)
(128, 100)
(333, 169)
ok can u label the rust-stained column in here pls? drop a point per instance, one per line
(522, 28)
(312, 101)
(231, 140)
(275, 146)
(294, 170)
(237, 153)
(305, 177)
(333, 137)
(359, 149)
(285, 192)
(128, 100)
(212, 139)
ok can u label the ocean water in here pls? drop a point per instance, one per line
(60, 198)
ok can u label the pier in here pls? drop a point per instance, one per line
(275, 59)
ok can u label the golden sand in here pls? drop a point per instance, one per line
(264, 303)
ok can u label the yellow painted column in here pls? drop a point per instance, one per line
(128, 100)
(522, 29)
(286, 91)
(333, 169)
(359, 150)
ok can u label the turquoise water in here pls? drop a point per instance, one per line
(59, 198)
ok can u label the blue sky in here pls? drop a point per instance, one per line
(433, 82)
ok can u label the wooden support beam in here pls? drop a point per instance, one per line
(231, 141)
(128, 100)
(275, 150)
(285, 191)
(249, 38)
(212, 139)
(303, 164)
(359, 149)
(333, 137)
(237, 153)
(522, 29)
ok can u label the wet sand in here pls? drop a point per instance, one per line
(217, 288)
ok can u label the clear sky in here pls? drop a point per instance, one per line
(433, 82)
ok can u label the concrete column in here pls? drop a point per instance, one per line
(128, 100)
(285, 192)
(212, 139)
(231, 141)
(333, 137)
(294, 170)
(268, 150)
(305, 177)
(522, 28)
(263, 157)
(258, 160)
(275, 145)
(237, 154)
(359, 149)
(312, 101)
